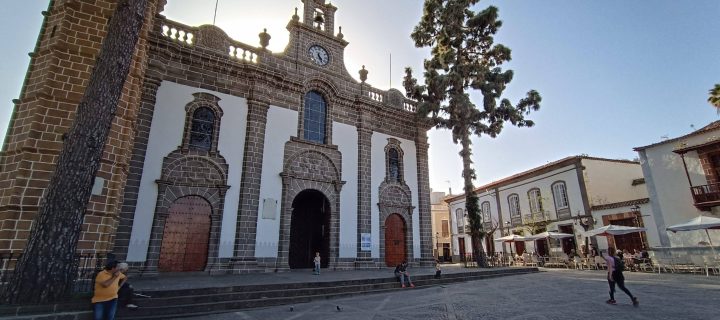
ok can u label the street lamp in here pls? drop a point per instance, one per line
(637, 219)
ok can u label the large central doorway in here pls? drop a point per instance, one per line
(309, 229)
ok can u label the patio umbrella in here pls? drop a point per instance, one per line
(549, 235)
(699, 223)
(613, 230)
(511, 238)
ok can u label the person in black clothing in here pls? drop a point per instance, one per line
(616, 267)
(402, 274)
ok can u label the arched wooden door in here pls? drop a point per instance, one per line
(186, 234)
(394, 240)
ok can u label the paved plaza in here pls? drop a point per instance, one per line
(555, 294)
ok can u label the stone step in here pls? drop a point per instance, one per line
(215, 301)
(173, 304)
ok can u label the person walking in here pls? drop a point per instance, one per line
(316, 271)
(615, 267)
(105, 295)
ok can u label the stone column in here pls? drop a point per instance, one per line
(363, 258)
(424, 216)
(246, 229)
(137, 160)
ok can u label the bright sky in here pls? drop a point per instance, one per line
(613, 74)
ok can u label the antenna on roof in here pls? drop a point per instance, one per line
(215, 15)
(449, 187)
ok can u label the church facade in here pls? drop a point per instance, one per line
(229, 158)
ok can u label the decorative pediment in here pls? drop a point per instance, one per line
(194, 170)
(312, 165)
(396, 195)
(212, 37)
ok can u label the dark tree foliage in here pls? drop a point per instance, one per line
(464, 57)
(47, 270)
(714, 98)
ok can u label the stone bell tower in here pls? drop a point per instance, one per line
(320, 15)
(64, 57)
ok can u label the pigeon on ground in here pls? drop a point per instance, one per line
(292, 308)
(338, 308)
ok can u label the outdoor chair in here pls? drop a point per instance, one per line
(699, 262)
(577, 263)
(600, 262)
(532, 261)
(713, 264)
(564, 260)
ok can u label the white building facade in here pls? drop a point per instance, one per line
(682, 177)
(571, 195)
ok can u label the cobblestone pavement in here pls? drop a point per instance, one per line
(552, 295)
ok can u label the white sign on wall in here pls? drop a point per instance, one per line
(365, 242)
(269, 208)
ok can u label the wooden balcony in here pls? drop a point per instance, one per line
(706, 196)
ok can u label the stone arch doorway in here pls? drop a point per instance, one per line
(395, 234)
(309, 229)
(186, 235)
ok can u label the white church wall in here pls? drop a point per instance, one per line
(379, 141)
(166, 131)
(281, 125)
(346, 138)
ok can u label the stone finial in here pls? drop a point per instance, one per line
(296, 17)
(363, 74)
(340, 35)
(264, 38)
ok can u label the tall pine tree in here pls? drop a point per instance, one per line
(47, 270)
(464, 57)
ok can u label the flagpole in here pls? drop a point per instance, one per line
(215, 15)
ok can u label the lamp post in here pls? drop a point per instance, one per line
(437, 245)
(637, 214)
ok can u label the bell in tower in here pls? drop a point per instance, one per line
(320, 15)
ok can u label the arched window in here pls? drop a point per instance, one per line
(460, 220)
(486, 211)
(535, 200)
(514, 204)
(314, 117)
(201, 129)
(560, 196)
(394, 165)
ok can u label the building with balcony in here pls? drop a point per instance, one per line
(570, 195)
(440, 226)
(683, 182)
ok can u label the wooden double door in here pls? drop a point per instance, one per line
(186, 235)
(395, 231)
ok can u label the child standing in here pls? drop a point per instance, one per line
(438, 272)
(316, 271)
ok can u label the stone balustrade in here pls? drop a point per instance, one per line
(210, 37)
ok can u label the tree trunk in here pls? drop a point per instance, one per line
(47, 269)
(471, 201)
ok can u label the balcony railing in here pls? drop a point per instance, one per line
(706, 196)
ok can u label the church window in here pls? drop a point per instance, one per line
(314, 117)
(201, 129)
(394, 165)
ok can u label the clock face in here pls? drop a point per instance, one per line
(319, 55)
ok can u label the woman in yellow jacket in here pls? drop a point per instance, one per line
(105, 297)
